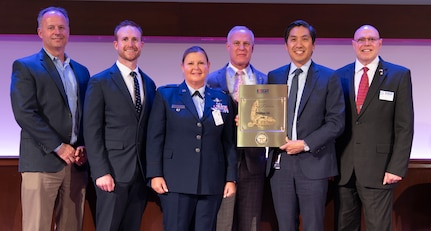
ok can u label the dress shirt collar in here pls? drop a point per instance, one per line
(372, 67)
(231, 70)
(304, 68)
(53, 58)
(125, 71)
(201, 90)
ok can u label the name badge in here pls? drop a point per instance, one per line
(386, 95)
(178, 107)
(218, 119)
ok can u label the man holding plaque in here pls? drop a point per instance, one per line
(301, 167)
(251, 161)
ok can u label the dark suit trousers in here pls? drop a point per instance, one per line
(188, 212)
(293, 192)
(377, 204)
(250, 187)
(243, 211)
(122, 209)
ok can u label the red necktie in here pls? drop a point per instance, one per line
(362, 91)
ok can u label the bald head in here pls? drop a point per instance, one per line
(367, 44)
(366, 28)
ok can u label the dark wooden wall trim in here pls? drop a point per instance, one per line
(215, 19)
(412, 202)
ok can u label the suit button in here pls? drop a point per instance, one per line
(199, 124)
(197, 150)
(198, 137)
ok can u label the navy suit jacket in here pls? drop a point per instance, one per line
(113, 131)
(320, 119)
(195, 156)
(40, 107)
(379, 139)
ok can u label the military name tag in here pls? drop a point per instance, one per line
(262, 113)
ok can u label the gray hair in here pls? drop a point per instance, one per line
(49, 9)
(238, 28)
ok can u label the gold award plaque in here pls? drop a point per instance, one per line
(262, 113)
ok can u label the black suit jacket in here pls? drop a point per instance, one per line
(113, 131)
(40, 107)
(379, 139)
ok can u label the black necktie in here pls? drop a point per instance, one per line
(293, 92)
(138, 104)
(197, 93)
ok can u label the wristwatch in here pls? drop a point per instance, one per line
(306, 147)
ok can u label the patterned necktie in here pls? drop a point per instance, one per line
(138, 103)
(291, 106)
(363, 90)
(238, 82)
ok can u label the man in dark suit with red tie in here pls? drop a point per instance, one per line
(374, 151)
(116, 112)
(302, 166)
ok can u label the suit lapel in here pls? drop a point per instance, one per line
(209, 102)
(312, 77)
(49, 66)
(185, 97)
(349, 82)
(282, 76)
(379, 77)
(146, 90)
(221, 78)
(118, 80)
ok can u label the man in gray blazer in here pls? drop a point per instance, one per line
(47, 94)
(374, 151)
(116, 111)
(243, 211)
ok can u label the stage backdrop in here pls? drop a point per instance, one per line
(161, 58)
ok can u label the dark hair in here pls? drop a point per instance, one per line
(124, 24)
(194, 49)
(299, 23)
(51, 8)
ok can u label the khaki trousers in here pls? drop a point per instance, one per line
(61, 193)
